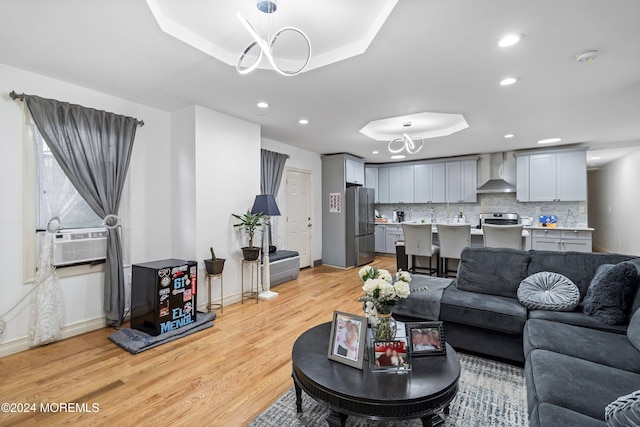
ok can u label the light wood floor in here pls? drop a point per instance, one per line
(223, 376)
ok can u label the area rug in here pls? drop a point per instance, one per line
(136, 341)
(490, 394)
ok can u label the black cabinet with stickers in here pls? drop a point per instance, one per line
(163, 295)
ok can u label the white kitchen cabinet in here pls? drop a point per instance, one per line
(571, 185)
(430, 183)
(542, 177)
(401, 184)
(552, 177)
(393, 233)
(522, 179)
(565, 240)
(380, 237)
(395, 184)
(408, 184)
(469, 181)
(462, 181)
(383, 185)
(371, 180)
(354, 171)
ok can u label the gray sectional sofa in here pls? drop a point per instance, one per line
(575, 364)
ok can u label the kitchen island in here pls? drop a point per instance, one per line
(561, 239)
(387, 233)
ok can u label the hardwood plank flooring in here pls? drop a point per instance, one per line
(222, 376)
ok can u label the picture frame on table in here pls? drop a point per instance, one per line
(390, 356)
(426, 338)
(347, 340)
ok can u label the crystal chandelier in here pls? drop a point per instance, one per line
(266, 48)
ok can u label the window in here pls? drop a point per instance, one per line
(56, 196)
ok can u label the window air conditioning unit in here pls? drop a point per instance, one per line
(75, 246)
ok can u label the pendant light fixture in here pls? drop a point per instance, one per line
(266, 47)
(405, 142)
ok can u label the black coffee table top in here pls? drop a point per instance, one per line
(430, 385)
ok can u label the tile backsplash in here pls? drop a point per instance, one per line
(569, 213)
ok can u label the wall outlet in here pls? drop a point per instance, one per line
(581, 209)
(537, 210)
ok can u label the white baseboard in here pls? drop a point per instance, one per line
(228, 300)
(22, 344)
(338, 267)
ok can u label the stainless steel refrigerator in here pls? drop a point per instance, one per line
(360, 226)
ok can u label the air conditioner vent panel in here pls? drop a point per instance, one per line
(75, 246)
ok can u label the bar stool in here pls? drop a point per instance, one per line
(418, 241)
(453, 238)
(502, 236)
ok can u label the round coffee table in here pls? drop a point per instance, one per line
(420, 393)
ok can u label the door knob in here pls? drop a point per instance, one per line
(309, 225)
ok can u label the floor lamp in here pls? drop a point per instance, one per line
(266, 203)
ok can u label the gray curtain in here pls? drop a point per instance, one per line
(271, 169)
(93, 149)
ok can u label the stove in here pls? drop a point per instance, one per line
(499, 218)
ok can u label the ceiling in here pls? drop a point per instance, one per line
(212, 27)
(438, 56)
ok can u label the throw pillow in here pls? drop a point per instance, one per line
(611, 293)
(633, 331)
(624, 411)
(636, 301)
(548, 291)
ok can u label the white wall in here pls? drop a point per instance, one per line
(227, 181)
(216, 173)
(149, 175)
(614, 205)
(183, 184)
(308, 161)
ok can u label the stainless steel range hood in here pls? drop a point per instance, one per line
(496, 183)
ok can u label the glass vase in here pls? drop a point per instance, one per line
(385, 327)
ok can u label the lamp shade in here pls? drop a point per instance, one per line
(266, 204)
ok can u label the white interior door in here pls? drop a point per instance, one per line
(298, 221)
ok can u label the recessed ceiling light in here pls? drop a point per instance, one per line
(398, 156)
(508, 81)
(509, 40)
(262, 104)
(587, 56)
(303, 121)
(509, 135)
(549, 140)
(375, 152)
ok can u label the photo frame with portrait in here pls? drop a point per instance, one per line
(390, 356)
(347, 340)
(426, 338)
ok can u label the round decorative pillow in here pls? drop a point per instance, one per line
(625, 411)
(548, 291)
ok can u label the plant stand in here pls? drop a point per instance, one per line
(254, 268)
(213, 306)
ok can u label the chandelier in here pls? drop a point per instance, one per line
(266, 47)
(405, 142)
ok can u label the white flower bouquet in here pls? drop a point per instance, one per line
(382, 291)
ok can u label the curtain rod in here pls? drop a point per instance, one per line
(20, 96)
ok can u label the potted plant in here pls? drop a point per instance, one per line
(214, 265)
(249, 222)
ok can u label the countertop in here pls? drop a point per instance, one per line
(474, 231)
(527, 227)
(534, 227)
